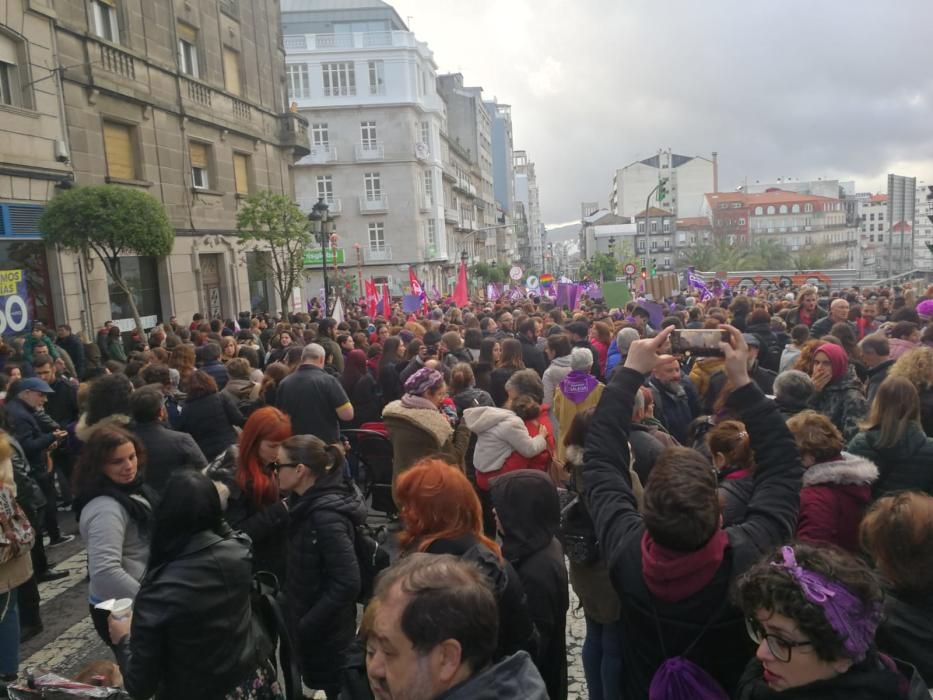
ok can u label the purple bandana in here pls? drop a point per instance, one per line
(844, 612)
(578, 385)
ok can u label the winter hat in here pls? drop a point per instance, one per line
(925, 309)
(406, 335)
(625, 338)
(423, 381)
(837, 356)
(581, 359)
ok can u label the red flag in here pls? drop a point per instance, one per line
(461, 291)
(370, 298)
(384, 305)
(416, 287)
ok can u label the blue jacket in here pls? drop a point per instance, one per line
(30, 433)
(216, 369)
(613, 358)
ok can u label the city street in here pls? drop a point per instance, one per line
(69, 642)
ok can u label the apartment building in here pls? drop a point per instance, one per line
(366, 85)
(185, 100)
(689, 178)
(527, 195)
(34, 157)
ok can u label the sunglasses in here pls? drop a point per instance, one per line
(283, 465)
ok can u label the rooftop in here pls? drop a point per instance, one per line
(693, 221)
(772, 196)
(878, 198)
(653, 211)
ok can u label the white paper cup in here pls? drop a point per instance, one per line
(121, 608)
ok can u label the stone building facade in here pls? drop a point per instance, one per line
(186, 100)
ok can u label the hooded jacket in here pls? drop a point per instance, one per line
(499, 433)
(528, 508)
(833, 499)
(419, 432)
(322, 581)
(690, 601)
(905, 466)
(513, 678)
(702, 372)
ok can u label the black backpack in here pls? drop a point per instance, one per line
(371, 557)
(269, 616)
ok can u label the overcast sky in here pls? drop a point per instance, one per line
(798, 88)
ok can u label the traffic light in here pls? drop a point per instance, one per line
(644, 273)
(654, 267)
(662, 189)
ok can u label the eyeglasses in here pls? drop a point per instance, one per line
(283, 465)
(779, 647)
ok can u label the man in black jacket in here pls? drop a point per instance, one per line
(579, 338)
(532, 355)
(876, 354)
(37, 437)
(166, 449)
(314, 400)
(71, 344)
(671, 562)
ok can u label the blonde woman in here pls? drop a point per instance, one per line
(16, 566)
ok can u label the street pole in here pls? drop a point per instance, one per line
(318, 218)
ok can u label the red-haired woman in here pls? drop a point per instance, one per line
(442, 515)
(254, 505)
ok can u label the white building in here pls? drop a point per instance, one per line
(690, 178)
(469, 128)
(872, 219)
(526, 195)
(367, 87)
(900, 245)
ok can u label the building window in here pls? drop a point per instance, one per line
(871, 217)
(770, 211)
(373, 185)
(319, 135)
(641, 245)
(808, 208)
(188, 50)
(795, 209)
(881, 238)
(641, 227)
(10, 94)
(667, 226)
(241, 173)
(299, 85)
(377, 237)
(759, 211)
(368, 134)
(339, 79)
(105, 20)
(199, 153)
(426, 133)
(141, 274)
(429, 186)
(325, 188)
(654, 227)
(783, 209)
(119, 151)
(232, 71)
(377, 78)
(430, 235)
(741, 222)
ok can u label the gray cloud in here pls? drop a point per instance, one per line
(836, 88)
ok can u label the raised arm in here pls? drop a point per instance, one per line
(606, 481)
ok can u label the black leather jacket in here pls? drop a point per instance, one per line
(193, 634)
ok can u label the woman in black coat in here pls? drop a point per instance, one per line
(209, 415)
(193, 641)
(323, 576)
(388, 373)
(510, 363)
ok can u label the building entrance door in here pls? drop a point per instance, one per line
(210, 284)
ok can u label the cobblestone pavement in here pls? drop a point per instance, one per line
(69, 642)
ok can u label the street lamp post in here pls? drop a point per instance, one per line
(318, 219)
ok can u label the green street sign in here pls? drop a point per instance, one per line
(313, 257)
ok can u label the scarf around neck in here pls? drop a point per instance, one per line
(672, 576)
(578, 385)
(138, 499)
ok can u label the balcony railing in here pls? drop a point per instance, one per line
(116, 61)
(294, 132)
(465, 224)
(373, 150)
(427, 204)
(334, 205)
(197, 92)
(349, 40)
(374, 205)
(322, 154)
(465, 187)
(422, 151)
(451, 216)
(378, 254)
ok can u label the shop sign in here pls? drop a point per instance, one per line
(14, 312)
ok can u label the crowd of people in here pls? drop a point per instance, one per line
(751, 522)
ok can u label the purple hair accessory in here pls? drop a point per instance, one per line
(844, 612)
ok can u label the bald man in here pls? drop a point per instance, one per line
(838, 313)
